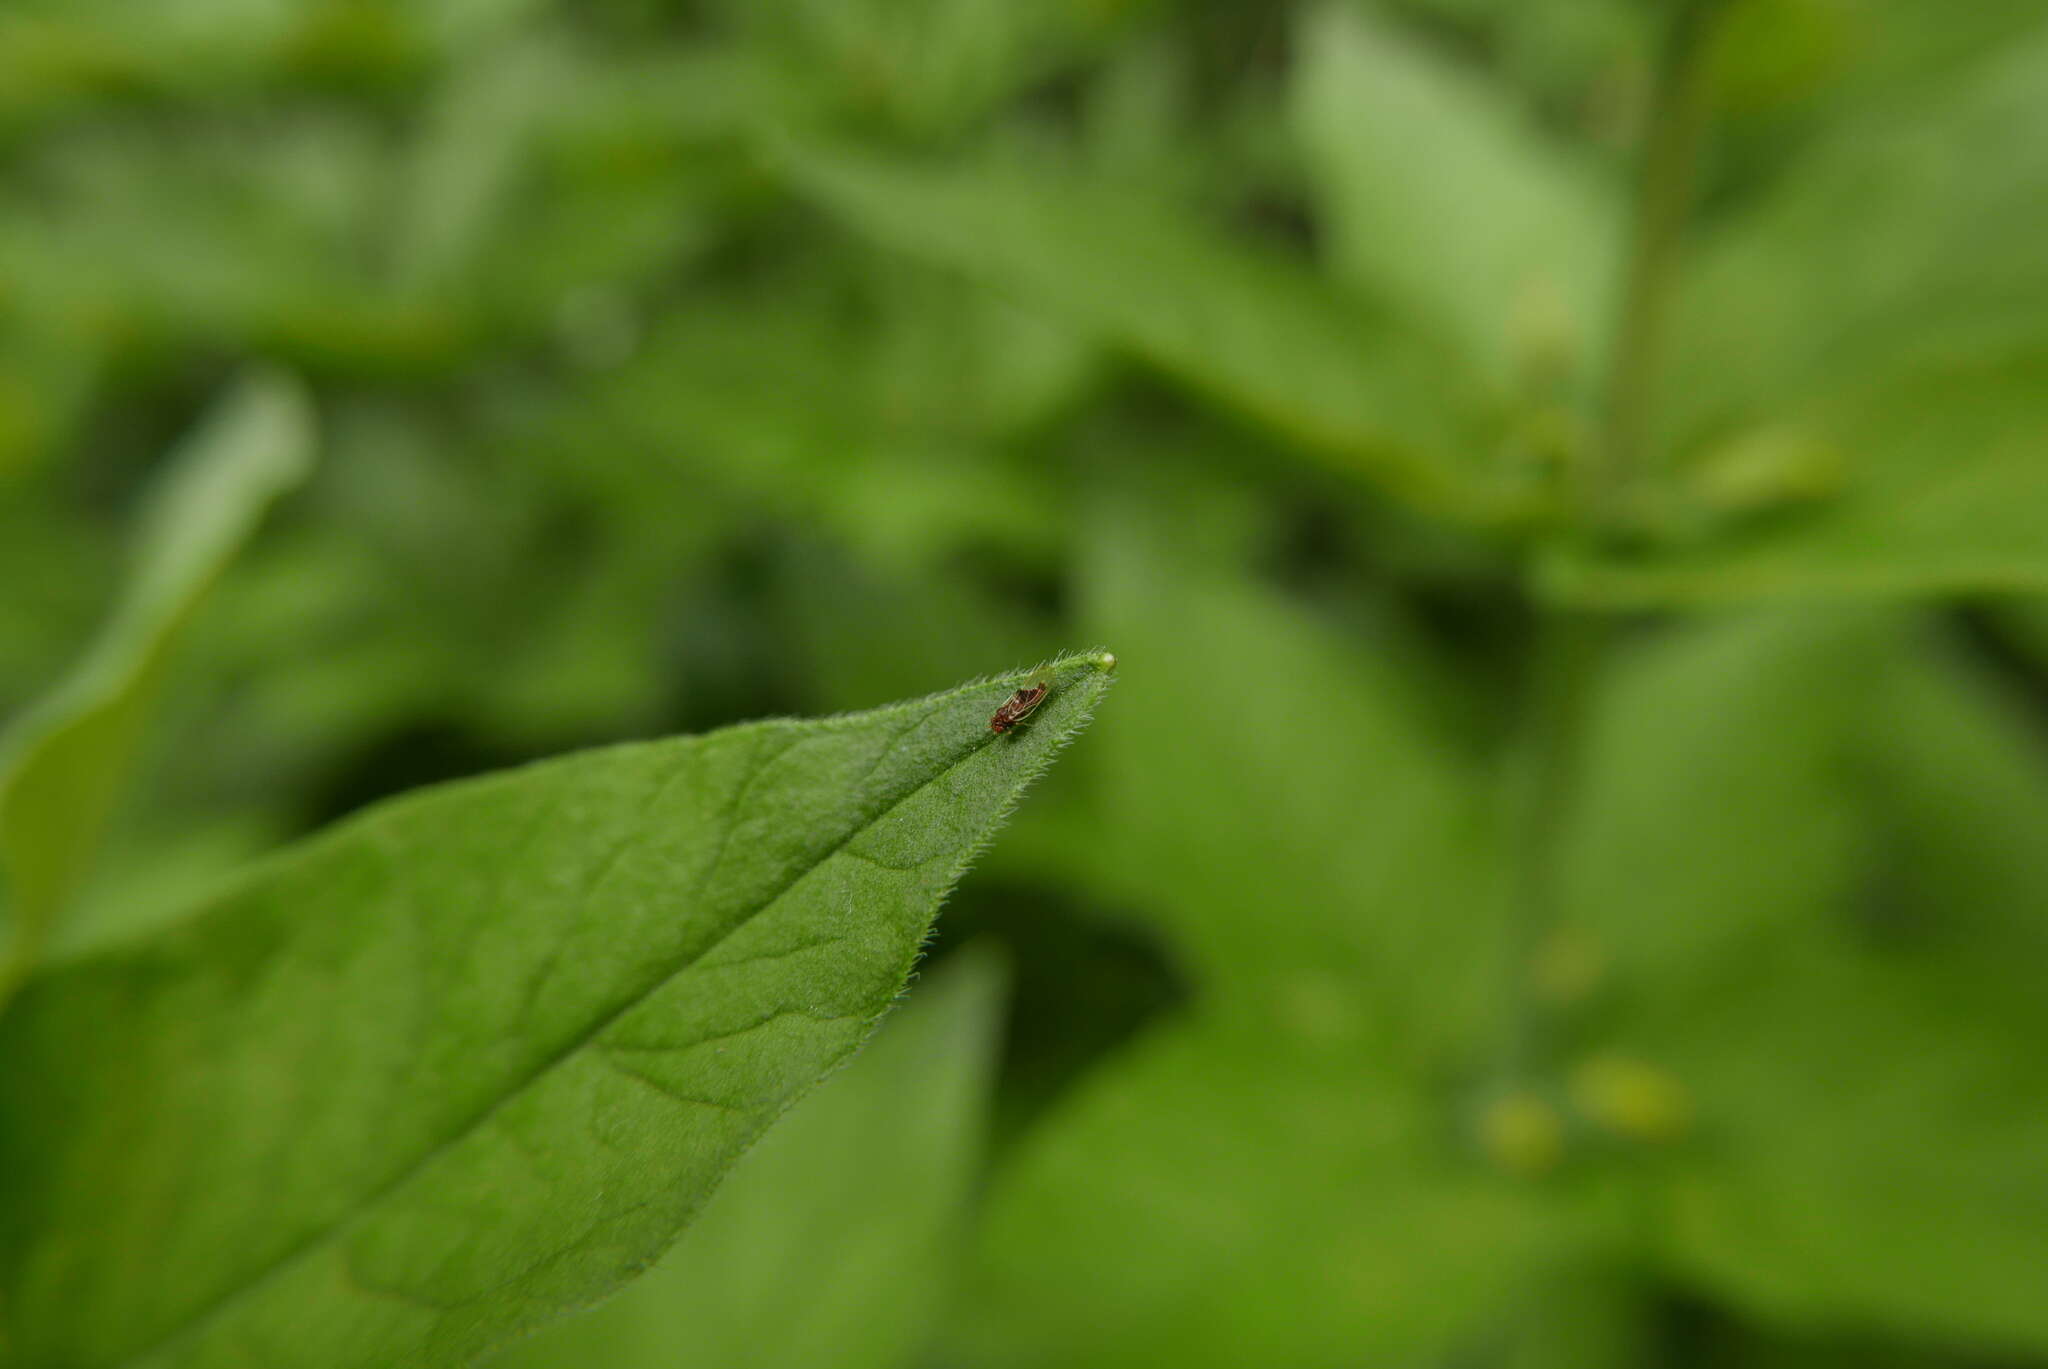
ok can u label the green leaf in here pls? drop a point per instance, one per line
(926, 67)
(62, 763)
(1906, 1190)
(1903, 234)
(2022, 624)
(1718, 800)
(834, 1239)
(1220, 1198)
(1439, 194)
(889, 446)
(1877, 1150)
(1877, 324)
(1260, 335)
(476, 1055)
(1269, 763)
(1584, 1315)
(1274, 1178)
(1945, 492)
(464, 163)
(1811, 857)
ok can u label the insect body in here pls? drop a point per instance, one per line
(1018, 706)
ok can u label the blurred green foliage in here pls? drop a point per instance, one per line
(1565, 880)
(61, 766)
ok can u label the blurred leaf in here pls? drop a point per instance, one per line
(1961, 775)
(474, 1057)
(884, 436)
(1258, 334)
(1945, 491)
(1585, 1314)
(46, 378)
(123, 235)
(1875, 1149)
(63, 762)
(76, 54)
(1718, 801)
(464, 25)
(1276, 1177)
(1820, 890)
(925, 67)
(1789, 77)
(60, 573)
(1214, 1197)
(1903, 235)
(1581, 60)
(310, 659)
(1269, 763)
(1908, 1190)
(472, 143)
(555, 186)
(1885, 304)
(832, 1242)
(2022, 624)
(64, 57)
(1136, 106)
(1442, 196)
(857, 632)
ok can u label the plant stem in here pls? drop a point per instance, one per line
(1664, 192)
(1569, 655)
(1572, 645)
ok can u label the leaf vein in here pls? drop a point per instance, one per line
(676, 1047)
(327, 1232)
(621, 1068)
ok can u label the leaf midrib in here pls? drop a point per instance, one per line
(318, 1238)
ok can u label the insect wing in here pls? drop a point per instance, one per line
(1019, 705)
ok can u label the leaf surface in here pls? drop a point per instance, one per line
(1942, 489)
(834, 1239)
(1362, 389)
(1274, 1176)
(1811, 858)
(476, 1055)
(1881, 312)
(1907, 1190)
(1354, 804)
(62, 763)
(1904, 234)
(1441, 195)
(1720, 797)
(1211, 1197)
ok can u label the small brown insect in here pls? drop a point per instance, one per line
(1018, 706)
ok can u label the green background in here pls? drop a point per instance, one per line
(1564, 877)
